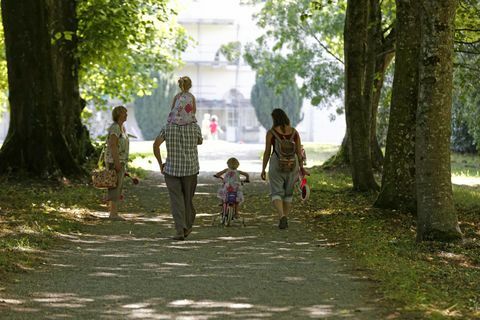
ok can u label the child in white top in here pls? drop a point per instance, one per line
(231, 182)
(183, 105)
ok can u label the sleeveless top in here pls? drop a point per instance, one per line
(182, 112)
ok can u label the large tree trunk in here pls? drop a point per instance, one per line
(437, 219)
(62, 20)
(357, 102)
(398, 180)
(379, 60)
(44, 137)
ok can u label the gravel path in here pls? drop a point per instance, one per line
(133, 270)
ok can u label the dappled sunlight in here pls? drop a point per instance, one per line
(209, 304)
(133, 269)
(466, 180)
(106, 274)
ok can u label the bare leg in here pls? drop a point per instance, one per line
(113, 209)
(237, 211)
(286, 208)
(278, 204)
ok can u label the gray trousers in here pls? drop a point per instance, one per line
(181, 191)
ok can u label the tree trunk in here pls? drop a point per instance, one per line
(398, 180)
(44, 138)
(436, 216)
(383, 61)
(357, 98)
(380, 58)
(341, 158)
(62, 20)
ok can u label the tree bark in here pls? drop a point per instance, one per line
(44, 136)
(341, 158)
(436, 216)
(358, 87)
(384, 51)
(62, 20)
(398, 180)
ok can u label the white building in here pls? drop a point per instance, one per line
(223, 88)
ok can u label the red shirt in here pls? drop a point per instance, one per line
(213, 127)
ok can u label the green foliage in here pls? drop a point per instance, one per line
(425, 281)
(466, 106)
(304, 42)
(264, 99)
(121, 42)
(231, 51)
(461, 139)
(151, 111)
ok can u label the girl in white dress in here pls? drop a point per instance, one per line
(231, 182)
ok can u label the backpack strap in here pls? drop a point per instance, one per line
(275, 134)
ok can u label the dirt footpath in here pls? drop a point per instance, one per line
(133, 270)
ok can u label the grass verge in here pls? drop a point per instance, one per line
(32, 214)
(428, 280)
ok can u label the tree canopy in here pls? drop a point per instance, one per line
(122, 42)
(265, 99)
(304, 41)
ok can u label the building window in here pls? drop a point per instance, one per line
(232, 119)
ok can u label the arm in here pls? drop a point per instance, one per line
(156, 151)
(194, 105)
(113, 145)
(220, 173)
(298, 144)
(266, 154)
(199, 135)
(246, 175)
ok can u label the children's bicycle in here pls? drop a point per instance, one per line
(229, 207)
(302, 186)
(301, 183)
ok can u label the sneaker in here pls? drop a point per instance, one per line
(283, 224)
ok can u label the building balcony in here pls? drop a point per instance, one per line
(206, 21)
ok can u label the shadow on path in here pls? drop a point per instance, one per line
(133, 270)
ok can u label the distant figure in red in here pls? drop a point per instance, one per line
(214, 128)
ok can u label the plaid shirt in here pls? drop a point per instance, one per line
(182, 153)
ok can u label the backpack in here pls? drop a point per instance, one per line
(285, 150)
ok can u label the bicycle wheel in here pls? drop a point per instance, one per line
(305, 192)
(224, 215)
(230, 213)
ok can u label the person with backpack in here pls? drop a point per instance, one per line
(283, 149)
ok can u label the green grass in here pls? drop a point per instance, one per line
(33, 214)
(465, 165)
(427, 280)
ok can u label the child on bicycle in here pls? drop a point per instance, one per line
(232, 182)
